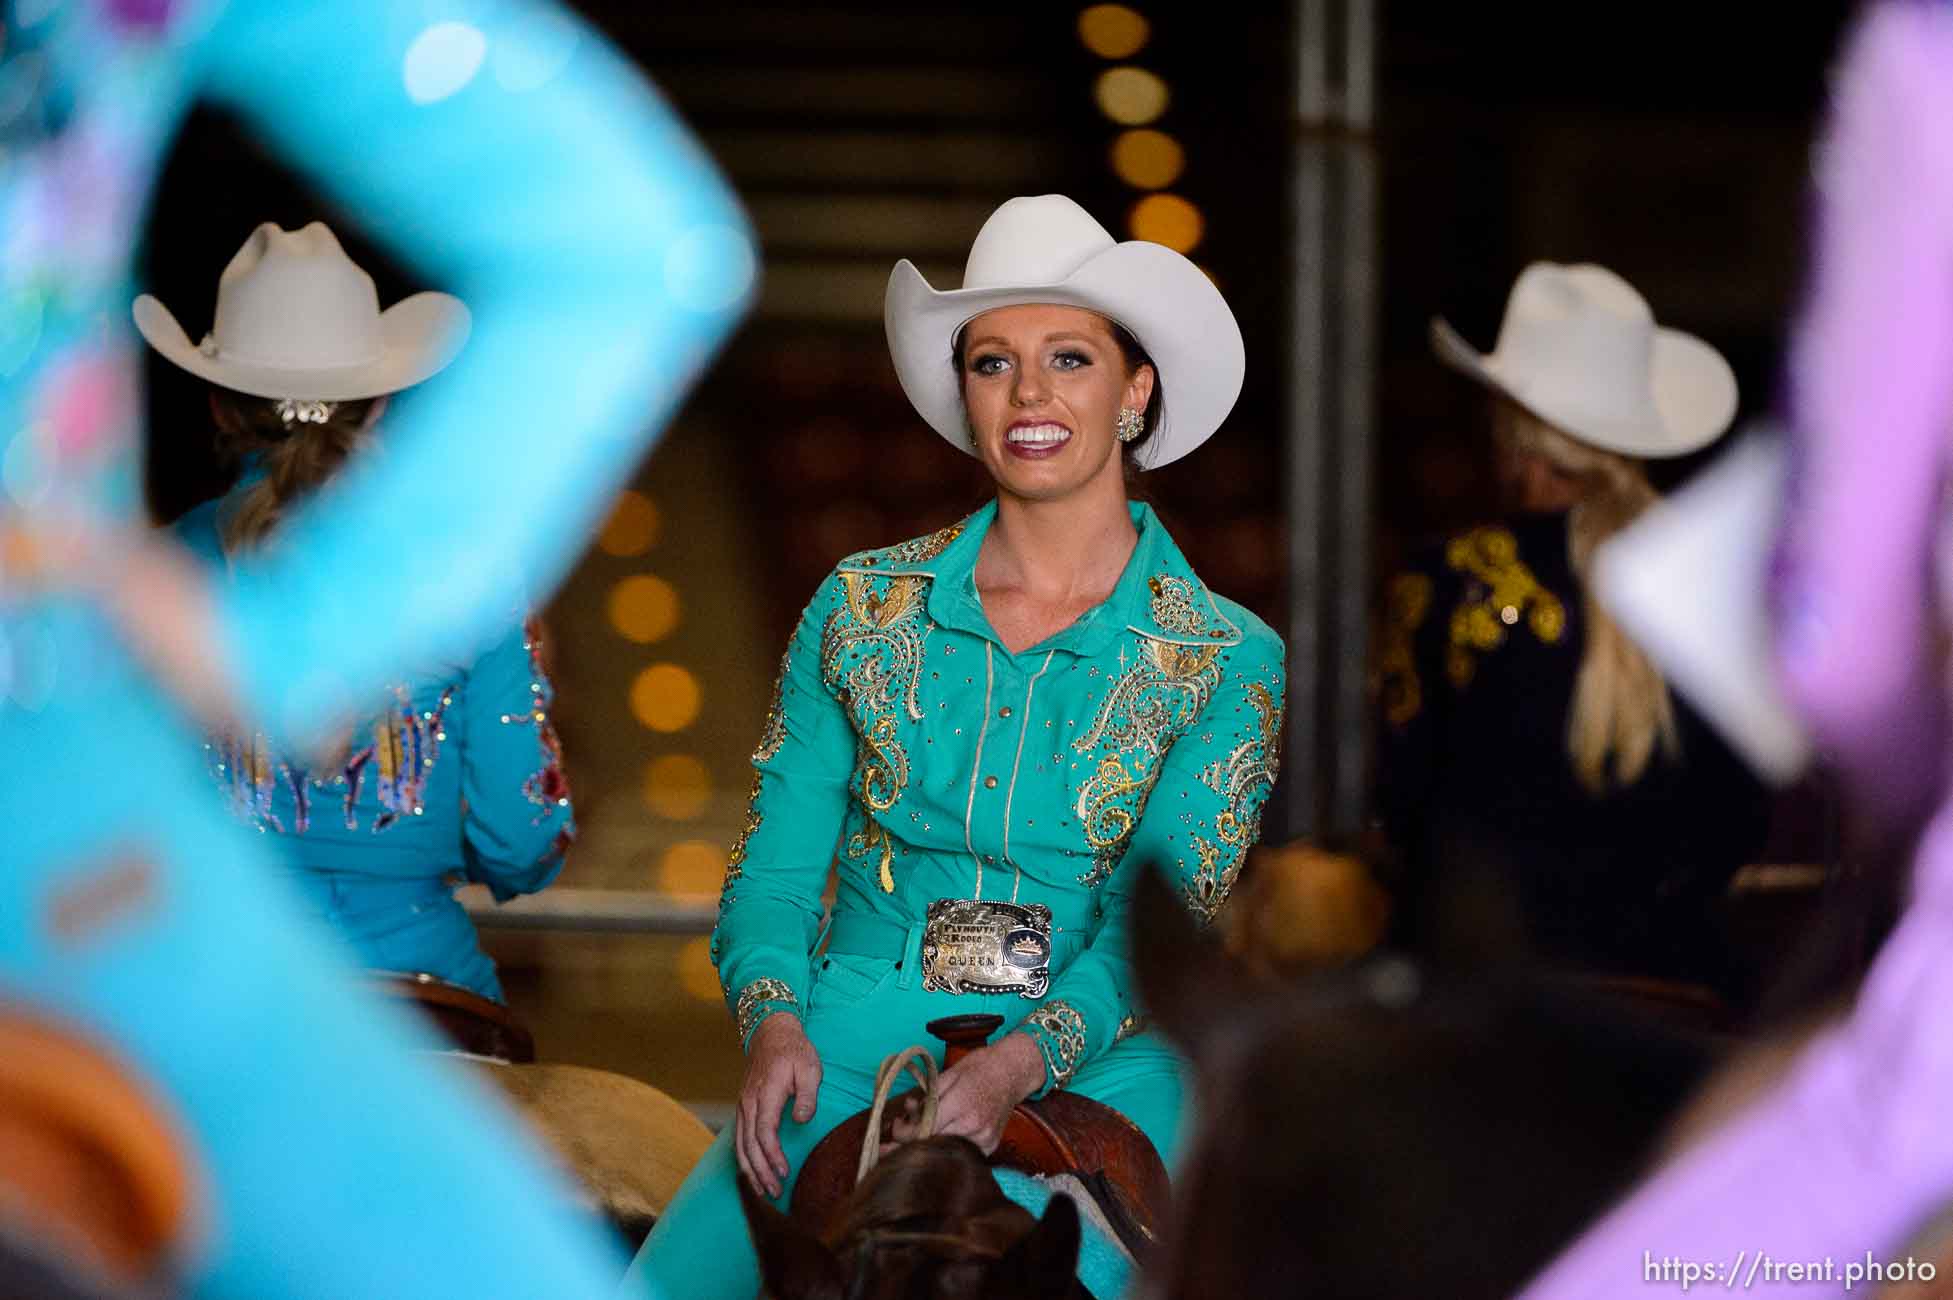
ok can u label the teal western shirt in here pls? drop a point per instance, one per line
(908, 743)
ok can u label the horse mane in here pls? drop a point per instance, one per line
(929, 1221)
(940, 1186)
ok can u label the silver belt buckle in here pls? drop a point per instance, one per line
(969, 946)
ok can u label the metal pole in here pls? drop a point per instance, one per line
(1331, 415)
(1308, 431)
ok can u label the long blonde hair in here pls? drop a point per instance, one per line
(1621, 706)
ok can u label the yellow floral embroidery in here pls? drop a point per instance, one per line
(1166, 683)
(889, 627)
(735, 860)
(1148, 708)
(871, 656)
(920, 550)
(1133, 1023)
(1510, 591)
(1405, 606)
(1172, 606)
(1106, 822)
(1059, 1028)
(1248, 770)
(882, 771)
(1210, 884)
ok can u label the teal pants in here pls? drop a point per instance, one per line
(859, 1012)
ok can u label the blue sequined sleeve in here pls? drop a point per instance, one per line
(519, 821)
(520, 162)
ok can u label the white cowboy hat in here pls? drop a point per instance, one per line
(297, 318)
(1049, 250)
(1579, 348)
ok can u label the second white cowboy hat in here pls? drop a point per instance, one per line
(1047, 249)
(297, 318)
(1580, 349)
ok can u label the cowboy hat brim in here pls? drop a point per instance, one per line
(419, 337)
(1693, 390)
(1164, 300)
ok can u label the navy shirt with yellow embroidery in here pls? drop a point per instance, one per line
(909, 744)
(1483, 643)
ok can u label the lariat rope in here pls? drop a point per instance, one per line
(921, 1063)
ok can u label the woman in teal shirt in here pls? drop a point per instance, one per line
(992, 730)
(452, 774)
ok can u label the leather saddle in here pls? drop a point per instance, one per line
(469, 1021)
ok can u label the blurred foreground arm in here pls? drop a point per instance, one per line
(523, 164)
(1852, 1152)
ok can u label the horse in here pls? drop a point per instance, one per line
(928, 1221)
(1386, 1131)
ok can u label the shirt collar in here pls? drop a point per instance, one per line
(1158, 595)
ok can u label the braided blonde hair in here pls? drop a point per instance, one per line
(1621, 706)
(297, 455)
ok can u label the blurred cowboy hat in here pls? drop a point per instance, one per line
(297, 318)
(1580, 349)
(1049, 250)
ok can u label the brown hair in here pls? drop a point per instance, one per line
(1621, 706)
(1135, 357)
(297, 456)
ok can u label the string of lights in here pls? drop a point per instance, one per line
(1142, 155)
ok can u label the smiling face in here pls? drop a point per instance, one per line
(1042, 386)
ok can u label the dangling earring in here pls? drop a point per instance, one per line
(1131, 424)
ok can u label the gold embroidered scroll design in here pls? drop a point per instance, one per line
(1062, 1038)
(1149, 707)
(760, 999)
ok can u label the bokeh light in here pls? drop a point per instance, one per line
(442, 60)
(1148, 160)
(1113, 31)
(1167, 219)
(1131, 96)
(632, 528)
(677, 786)
(692, 867)
(643, 608)
(696, 974)
(665, 697)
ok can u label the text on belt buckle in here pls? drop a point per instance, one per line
(969, 946)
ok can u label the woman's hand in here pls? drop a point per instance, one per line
(974, 1097)
(781, 1062)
